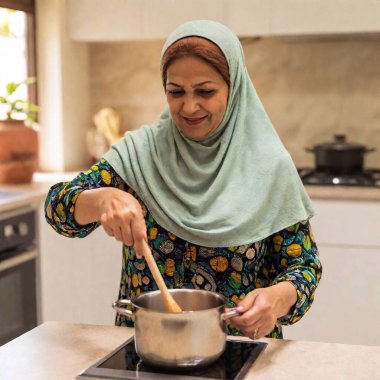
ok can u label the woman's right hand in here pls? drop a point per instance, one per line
(119, 212)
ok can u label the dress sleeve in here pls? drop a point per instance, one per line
(293, 256)
(61, 198)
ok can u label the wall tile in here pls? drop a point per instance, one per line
(311, 87)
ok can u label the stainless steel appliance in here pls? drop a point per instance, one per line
(124, 363)
(18, 252)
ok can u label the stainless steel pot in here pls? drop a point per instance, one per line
(194, 337)
(339, 156)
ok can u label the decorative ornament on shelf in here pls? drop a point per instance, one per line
(107, 132)
(18, 135)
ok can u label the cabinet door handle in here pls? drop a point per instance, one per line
(17, 260)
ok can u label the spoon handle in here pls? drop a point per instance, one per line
(170, 304)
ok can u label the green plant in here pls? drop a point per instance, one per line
(16, 108)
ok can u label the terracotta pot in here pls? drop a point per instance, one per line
(18, 152)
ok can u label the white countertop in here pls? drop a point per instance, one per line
(60, 351)
(30, 194)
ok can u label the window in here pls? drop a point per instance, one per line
(17, 46)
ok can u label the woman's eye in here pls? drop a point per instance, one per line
(206, 92)
(175, 93)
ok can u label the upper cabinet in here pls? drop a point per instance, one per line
(120, 20)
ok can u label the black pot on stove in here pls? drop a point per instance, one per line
(339, 156)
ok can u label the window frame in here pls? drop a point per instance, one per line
(27, 6)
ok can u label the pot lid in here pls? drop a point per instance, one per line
(340, 143)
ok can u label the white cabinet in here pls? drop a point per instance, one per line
(347, 303)
(115, 20)
(100, 20)
(324, 16)
(249, 17)
(161, 17)
(79, 278)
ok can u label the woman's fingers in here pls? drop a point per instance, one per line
(248, 317)
(258, 318)
(127, 237)
(138, 230)
(122, 218)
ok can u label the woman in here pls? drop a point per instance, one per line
(210, 187)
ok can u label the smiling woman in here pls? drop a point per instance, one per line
(210, 187)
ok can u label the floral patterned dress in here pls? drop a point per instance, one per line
(288, 255)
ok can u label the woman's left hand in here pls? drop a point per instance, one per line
(262, 307)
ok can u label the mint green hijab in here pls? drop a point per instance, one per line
(237, 186)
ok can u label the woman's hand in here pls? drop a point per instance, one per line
(262, 307)
(119, 213)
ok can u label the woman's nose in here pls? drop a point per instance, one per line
(190, 105)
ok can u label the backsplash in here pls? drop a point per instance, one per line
(312, 88)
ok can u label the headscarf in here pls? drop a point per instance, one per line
(237, 186)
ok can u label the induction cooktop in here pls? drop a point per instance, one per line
(124, 363)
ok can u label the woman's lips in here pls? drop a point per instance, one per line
(194, 120)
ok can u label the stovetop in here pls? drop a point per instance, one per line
(124, 363)
(365, 178)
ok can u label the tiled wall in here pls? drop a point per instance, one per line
(311, 87)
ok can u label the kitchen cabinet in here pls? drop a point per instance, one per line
(324, 16)
(347, 302)
(116, 20)
(249, 17)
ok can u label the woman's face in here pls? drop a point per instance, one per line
(197, 96)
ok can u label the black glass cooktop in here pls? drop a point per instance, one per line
(124, 363)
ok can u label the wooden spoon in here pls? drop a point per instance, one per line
(169, 301)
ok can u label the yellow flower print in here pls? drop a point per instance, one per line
(169, 267)
(153, 233)
(106, 177)
(307, 276)
(236, 276)
(135, 280)
(294, 250)
(277, 241)
(235, 299)
(191, 253)
(61, 213)
(219, 263)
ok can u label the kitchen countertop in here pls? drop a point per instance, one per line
(351, 193)
(60, 351)
(30, 194)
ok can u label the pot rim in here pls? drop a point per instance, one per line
(183, 312)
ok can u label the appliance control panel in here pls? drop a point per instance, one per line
(17, 230)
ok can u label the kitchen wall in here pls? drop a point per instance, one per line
(311, 87)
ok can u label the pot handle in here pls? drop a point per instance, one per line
(230, 313)
(369, 150)
(121, 310)
(311, 150)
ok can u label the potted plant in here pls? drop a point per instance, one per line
(18, 136)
